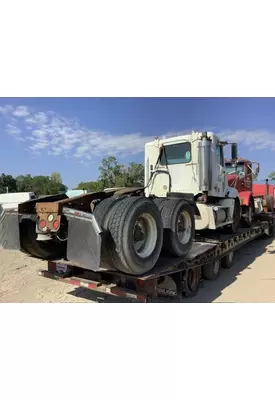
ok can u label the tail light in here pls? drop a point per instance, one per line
(42, 224)
(56, 225)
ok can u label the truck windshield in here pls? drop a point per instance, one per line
(229, 169)
(179, 153)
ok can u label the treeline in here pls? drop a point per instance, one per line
(111, 174)
(40, 184)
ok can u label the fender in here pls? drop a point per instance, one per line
(246, 197)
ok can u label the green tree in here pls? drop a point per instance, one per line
(56, 178)
(92, 186)
(111, 173)
(7, 182)
(271, 176)
(135, 175)
(24, 183)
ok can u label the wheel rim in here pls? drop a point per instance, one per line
(145, 235)
(216, 266)
(184, 227)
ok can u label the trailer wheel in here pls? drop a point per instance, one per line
(179, 227)
(269, 203)
(102, 214)
(46, 250)
(192, 281)
(227, 261)
(211, 271)
(136, 235)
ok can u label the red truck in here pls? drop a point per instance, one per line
(255, 197)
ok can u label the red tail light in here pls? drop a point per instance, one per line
(42, 224)
(56, 225)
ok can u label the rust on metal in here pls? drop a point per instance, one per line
(51, 208)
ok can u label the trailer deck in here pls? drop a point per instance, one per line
(184, 273)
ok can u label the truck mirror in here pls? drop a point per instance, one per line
(234, 151)
(257, 170)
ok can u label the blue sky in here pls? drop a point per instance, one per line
(71, 135)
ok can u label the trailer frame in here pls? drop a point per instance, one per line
(186, 273)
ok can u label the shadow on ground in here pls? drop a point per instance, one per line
(243, 258)
(210, 290)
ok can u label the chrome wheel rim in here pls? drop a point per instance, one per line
(184, 227)
(145, 235)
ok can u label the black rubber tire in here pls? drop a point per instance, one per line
(121, 225)
(170, 214)
(192, 282)
(102, 214)
(246, 211)
(211, 271)
(227, 261)
(233, 228)
(45, 250)
(269, 203)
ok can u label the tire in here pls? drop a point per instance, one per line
(102, 214)
(233, 228)
(211, 271)
(178, 214)
(269, 203)
(192, 282)
(249, 213)
(129, 254)
(47, 251)
(227, 261)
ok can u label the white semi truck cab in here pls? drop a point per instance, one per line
(192, 166)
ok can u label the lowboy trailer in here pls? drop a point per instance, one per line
(210, 251)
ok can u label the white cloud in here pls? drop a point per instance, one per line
(50, 132)
(6, 109)
(55, 135)
(21, 111)
(13, 130)
(257, 139)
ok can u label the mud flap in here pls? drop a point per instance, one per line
(84, 239)
(9, 230)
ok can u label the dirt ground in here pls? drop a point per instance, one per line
(251, 279)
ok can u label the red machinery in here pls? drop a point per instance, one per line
(240, 176)
(264, 192)
(255, 197)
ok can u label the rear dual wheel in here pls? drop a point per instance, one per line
(134, 234)
(178, 224)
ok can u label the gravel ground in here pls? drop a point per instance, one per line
(251, 279)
